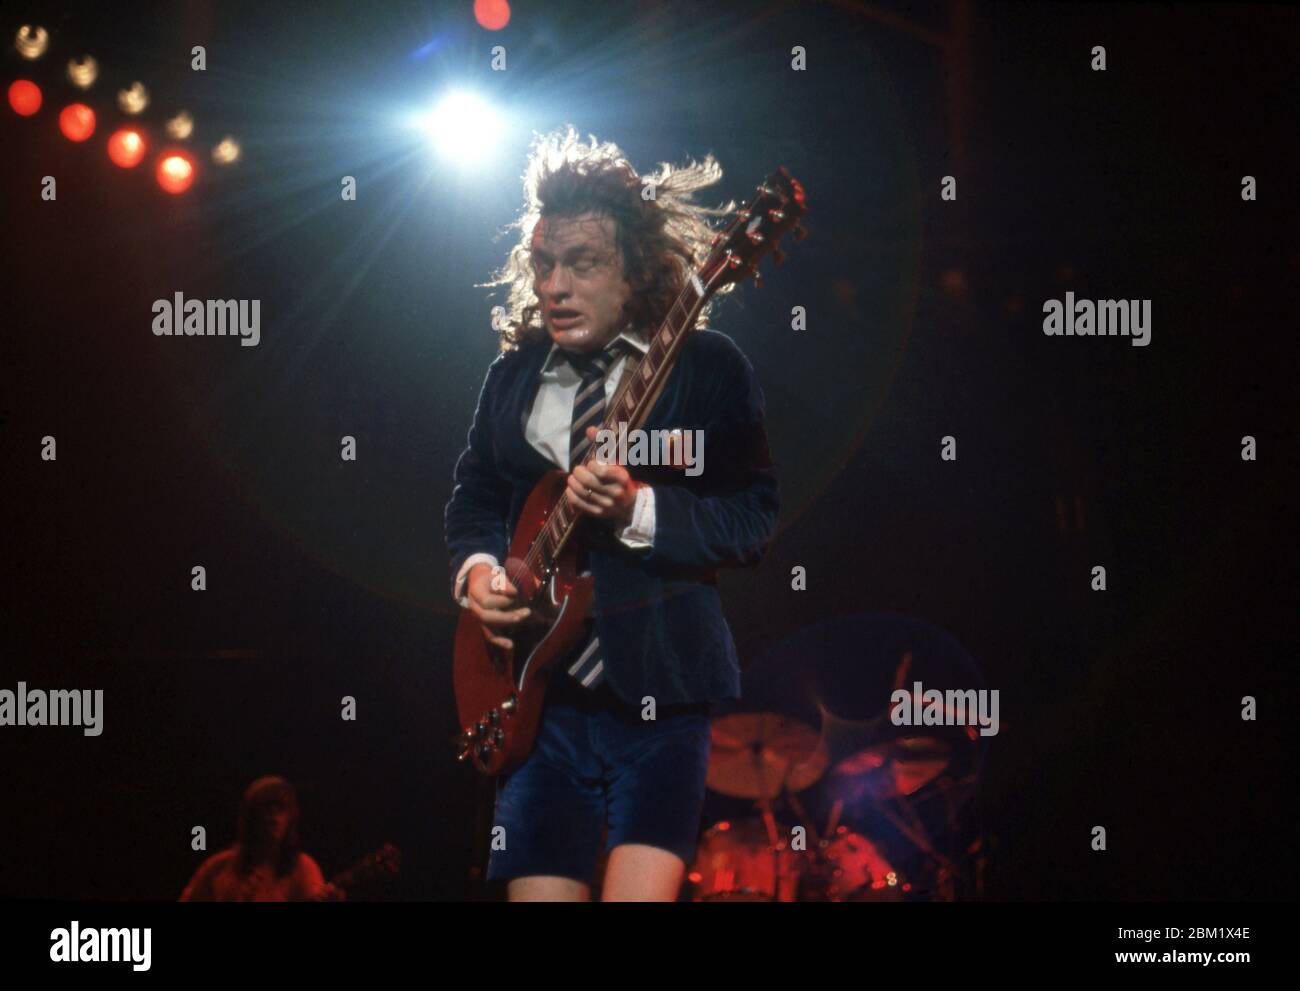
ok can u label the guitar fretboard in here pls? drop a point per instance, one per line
(639, 389)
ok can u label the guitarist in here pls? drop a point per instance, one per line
(265, 865)
(623, 744)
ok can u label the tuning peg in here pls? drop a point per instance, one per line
(776, 215)
(799, 233)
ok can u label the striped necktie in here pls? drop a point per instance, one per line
(588, 668)
(589, 403)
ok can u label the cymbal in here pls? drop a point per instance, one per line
(761, 754)
(896, 767)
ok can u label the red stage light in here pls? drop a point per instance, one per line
(77, 121)
(492, 14)
(25, 97)
(175, 172)
(126, 147)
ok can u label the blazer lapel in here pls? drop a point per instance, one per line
(517, 401)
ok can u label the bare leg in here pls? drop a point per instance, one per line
(641, 873)
(544, 888)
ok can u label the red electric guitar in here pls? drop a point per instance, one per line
(499, 692)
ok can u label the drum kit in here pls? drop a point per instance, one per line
(892, 814)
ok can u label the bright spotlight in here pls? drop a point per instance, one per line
(175, 172)
(126, 148)
(463, 128)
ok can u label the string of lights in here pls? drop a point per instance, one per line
(174, 162)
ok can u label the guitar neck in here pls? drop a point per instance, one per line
(640, 388)
(383, 861)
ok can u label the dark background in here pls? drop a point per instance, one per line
(325, 578)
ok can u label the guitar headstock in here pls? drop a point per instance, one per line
(776, 208)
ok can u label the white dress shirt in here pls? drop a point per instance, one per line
(547, 429)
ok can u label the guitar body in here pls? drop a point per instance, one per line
(500, 692)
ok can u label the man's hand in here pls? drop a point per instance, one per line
(604, 491)
(490, 600)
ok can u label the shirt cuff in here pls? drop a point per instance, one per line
(458, 586)
(640, 533)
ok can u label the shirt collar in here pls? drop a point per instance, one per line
(632, 339)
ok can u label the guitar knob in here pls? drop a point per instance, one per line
(494, 716)
(499, 738)
(463, 755)
(484, 753)
(480, 730)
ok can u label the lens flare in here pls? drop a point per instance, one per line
(463, 127)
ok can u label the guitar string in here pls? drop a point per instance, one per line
(538, 548)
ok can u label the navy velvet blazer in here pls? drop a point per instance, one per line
(657, 611)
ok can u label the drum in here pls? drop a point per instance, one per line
(737, 862)
(850, 868)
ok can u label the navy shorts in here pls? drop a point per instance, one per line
(596, 761)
